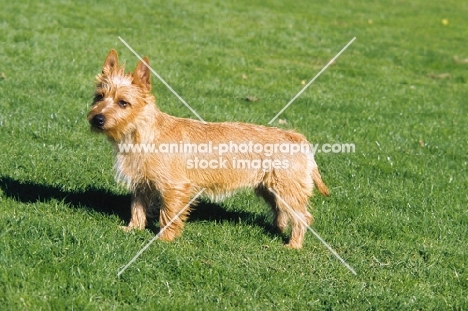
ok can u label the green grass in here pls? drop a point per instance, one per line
(398, 213)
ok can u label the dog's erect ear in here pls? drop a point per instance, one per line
(142, 75)
(111, 62)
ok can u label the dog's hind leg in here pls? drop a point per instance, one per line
(291, 204)
(281, 217)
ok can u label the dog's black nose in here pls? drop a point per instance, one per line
(98, 120)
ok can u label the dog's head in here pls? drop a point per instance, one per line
(119, 97)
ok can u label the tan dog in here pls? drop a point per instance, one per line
(217, 157)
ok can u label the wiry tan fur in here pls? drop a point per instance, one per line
(124, 109)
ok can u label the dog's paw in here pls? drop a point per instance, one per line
(166, 235)
(125, 228)
(129, 228)
(293, 245)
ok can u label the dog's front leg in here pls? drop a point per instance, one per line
(140, 206)
(174, 210)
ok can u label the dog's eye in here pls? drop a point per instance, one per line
(98, 97)
(122, 103)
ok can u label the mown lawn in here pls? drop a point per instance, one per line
(398, 211)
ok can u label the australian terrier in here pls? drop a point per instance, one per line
(161, 158)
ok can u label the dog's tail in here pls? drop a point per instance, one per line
(322, 188)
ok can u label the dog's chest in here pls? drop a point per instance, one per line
(130, 169)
